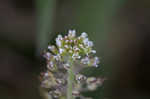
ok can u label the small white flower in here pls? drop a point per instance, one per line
(57, 57)
(76, 48)
(72, 33)
(60, 37)
(66, 46)
(52, 48)
(81, 45)
(86, 41)
(75, 41)
(93, 51)
(79, 57)
(84, 35)
(96, 62)
(85, 60)
(50, 64)
(46, 74)
(67, 41)
(90, 44)
(71, 41)
(66, 37)
(75, 55)
(49, 47)
(47, 55)
(58, 42)
(61, 50)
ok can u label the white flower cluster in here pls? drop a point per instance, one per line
(73, 47)
(78, 49)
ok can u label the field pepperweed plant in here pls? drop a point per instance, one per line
(65, 60)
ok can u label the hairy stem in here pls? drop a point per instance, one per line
(70, 81)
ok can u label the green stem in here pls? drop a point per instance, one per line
(70, 81)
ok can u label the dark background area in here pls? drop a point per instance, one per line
(119, 28)
(129, 59)
(17, 50)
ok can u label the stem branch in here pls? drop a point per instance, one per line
(70, 81)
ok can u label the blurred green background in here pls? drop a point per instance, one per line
(119, 29)
(93, 17)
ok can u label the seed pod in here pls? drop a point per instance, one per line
(80, 78)
(75, 93)
(91, 80)
(66, 66)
